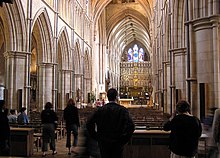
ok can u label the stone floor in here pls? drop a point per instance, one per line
(62, 151)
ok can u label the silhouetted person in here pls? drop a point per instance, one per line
(4, 131)
(114, 127)
(72, 123)
(185, 130)
(49, 120)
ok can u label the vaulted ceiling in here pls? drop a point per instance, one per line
(126, 21)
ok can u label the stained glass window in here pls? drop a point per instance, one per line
(135, 54)
(130, 56)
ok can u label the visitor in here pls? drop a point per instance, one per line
(49, 122)
(112, 126)
(71, 117)
(185, 130)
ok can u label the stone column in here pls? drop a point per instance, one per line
(202, 64)
(16, 64)
(216, 62)
(45, 84)
(66, 86)
(78, 84)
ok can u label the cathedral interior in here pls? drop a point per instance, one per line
(154, 52)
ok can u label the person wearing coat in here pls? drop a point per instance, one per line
(71, 118)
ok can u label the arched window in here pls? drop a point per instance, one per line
(135, 54)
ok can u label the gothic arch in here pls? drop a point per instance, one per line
(179, 27)
(100, 5)
(41, 20)
(14, 26)
(114, 20)
(42, 33)
(77, 58)
(65, 54)
(12, 45)
(64, 68)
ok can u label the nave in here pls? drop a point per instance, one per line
(148, 141)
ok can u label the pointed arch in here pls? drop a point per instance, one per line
(65, 55)
(77, 58)
(42, 21)
(179, 26)
(100, 5)
(14, 23)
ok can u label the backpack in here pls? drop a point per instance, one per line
(20, 119)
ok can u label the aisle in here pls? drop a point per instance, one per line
(62, 151)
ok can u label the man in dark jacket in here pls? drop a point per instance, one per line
(71, 117)
(185, 131)
(4, 132)
(114, 127)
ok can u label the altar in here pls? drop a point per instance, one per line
(126, 102)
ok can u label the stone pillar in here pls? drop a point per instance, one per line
(16, 64)
(78, 84)
(45, 88)
(206, 58)
(66, 87)
(216, 62)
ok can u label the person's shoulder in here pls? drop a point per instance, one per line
(121, 107)
(43, 111)
(67, 107)
(196, 119)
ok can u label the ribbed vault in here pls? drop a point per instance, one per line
(126, 21)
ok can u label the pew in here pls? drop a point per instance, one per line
(148, 144)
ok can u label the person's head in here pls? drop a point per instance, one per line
(23, 109)
(182, 107)
(112, 94)
(12, 111)
(48, 105)
(71, 102)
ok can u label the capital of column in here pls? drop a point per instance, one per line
(69, 70)
(18, 54)
(206, 22)
(47, 65)
(78, 75)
